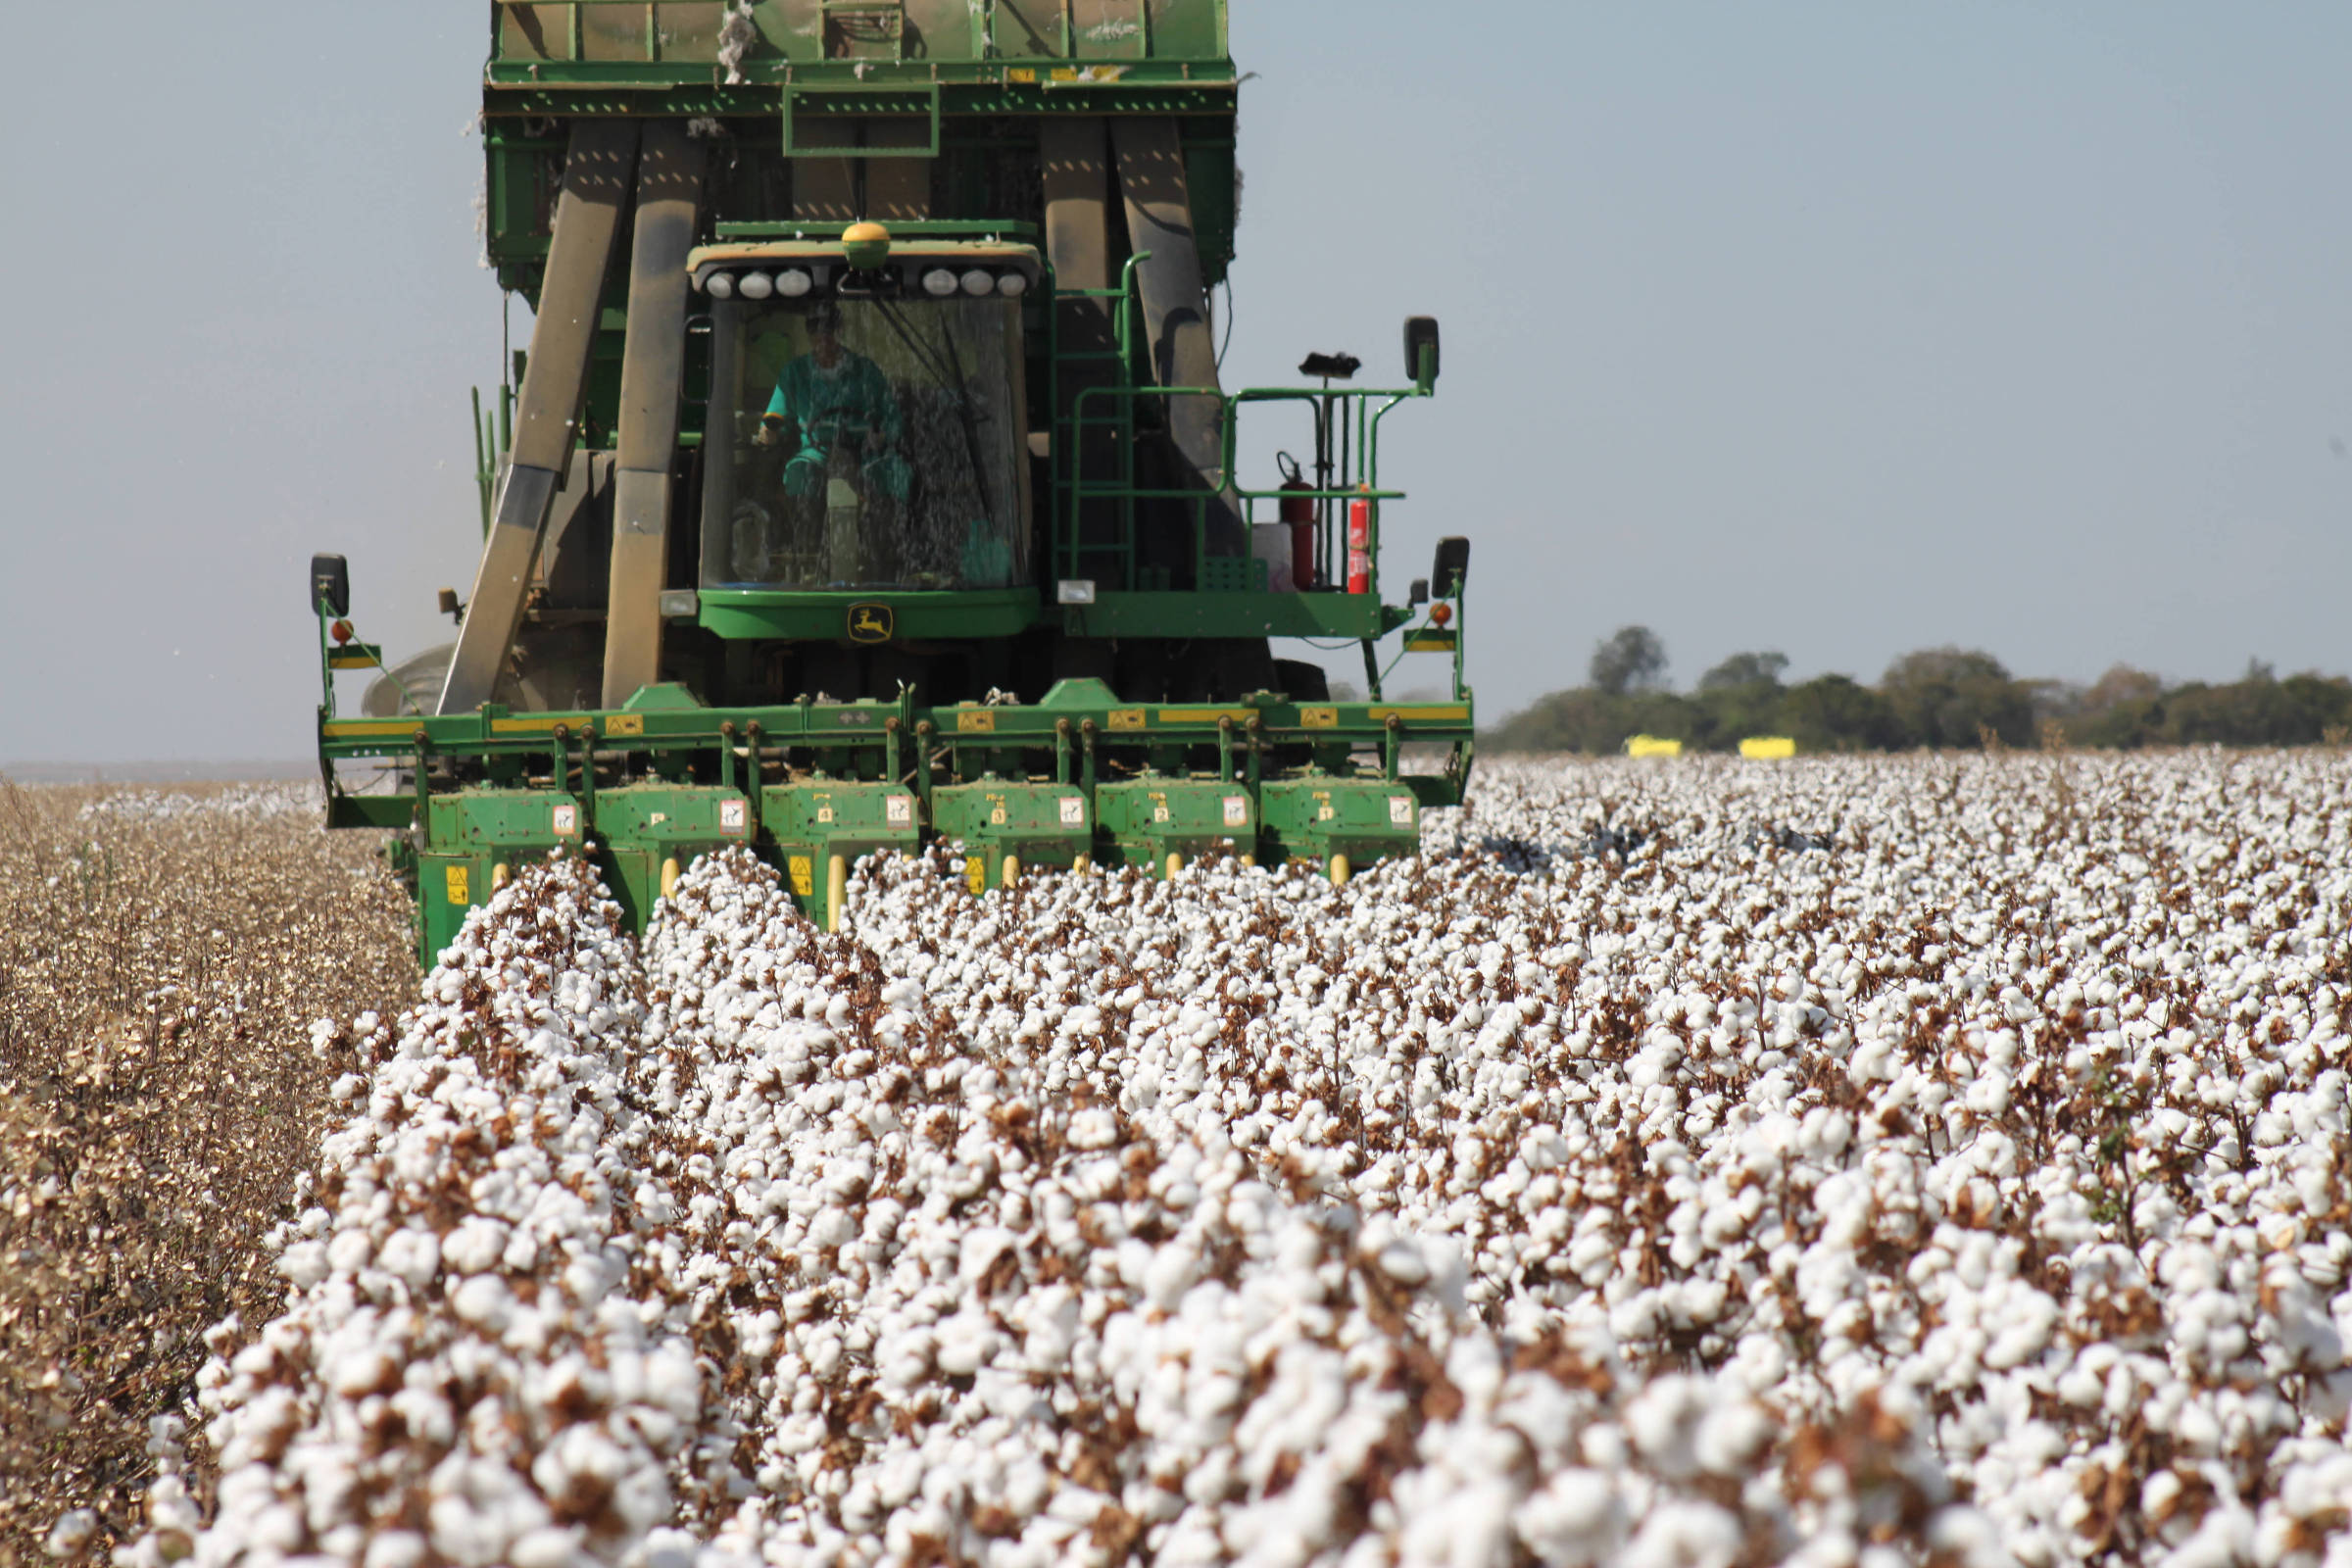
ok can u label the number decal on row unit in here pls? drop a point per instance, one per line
(730, 816)
(1073, 812)
(567, 820)
(1236, 811)
(898, 811)
(1400, 811)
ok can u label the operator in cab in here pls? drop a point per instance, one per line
(830, 404)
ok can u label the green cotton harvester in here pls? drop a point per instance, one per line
(867, 480)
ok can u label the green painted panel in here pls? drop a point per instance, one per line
(1045, 825)
(370, 811)
(819, 810)
(809, 821)
(1231, 615)
(672, 815)
(1152, 817)
(828, 617)
(474, 820)
(641, 826)
(447, 886)
(1363, 819)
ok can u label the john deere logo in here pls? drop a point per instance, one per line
(870, 624)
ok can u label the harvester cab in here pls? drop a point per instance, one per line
(866, 429)
(868, 481)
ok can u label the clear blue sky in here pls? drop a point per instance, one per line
(1839, 329)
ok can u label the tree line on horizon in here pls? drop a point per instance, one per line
(1932, 698)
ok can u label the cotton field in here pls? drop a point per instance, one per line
(1840, 1162)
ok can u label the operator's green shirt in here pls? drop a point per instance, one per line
(840, 405)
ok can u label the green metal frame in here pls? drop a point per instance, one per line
(859, 100)
(646, 788)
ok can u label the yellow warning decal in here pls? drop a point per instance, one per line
(336, 729)
(1020, 73)
(1126, 718)
(1424, 716)
(458, 880)
(343, 660)
(1319, 717)
(1202, 716)
(797, 868)
(625, 725)
(975, 872)
(977, 720)
(536, 723)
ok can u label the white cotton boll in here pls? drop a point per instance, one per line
(1730, 1438)
(1026, 1486)
(522, 1254)
(483, 1300)
(966, 1342)
(411, 1255)
(476, 1246)
(1574, 1518)
(546, 1546)
(1049, 1322)
(756, 1336)
(2029, 1317)
(71, 1534)
(672, 1382)
(833, 1227)
(349, 1251)
(467, 1533)
(303, 1263)
(1663, 1420)
(396, 1549)
(980, 1249)
(1094, 1128)
(1170, 1272)
(1470, 1529)
(1684, 1534)
(2222, 1539)
(363, 1370)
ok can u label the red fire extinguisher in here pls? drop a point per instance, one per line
(1360, 543)
(1297, 509)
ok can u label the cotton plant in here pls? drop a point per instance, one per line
(1884, 1160)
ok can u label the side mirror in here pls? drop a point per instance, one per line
(1451, 567)
(1420, 593)
(1421, 350)
(330, 586)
